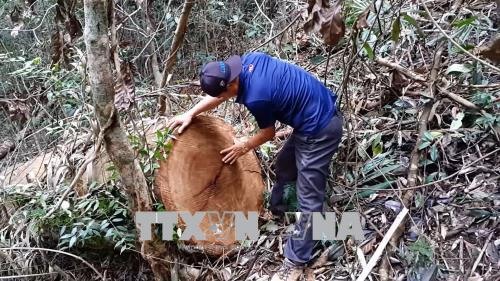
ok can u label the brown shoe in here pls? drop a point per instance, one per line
(288, 271)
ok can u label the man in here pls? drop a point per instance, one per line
(274, 90)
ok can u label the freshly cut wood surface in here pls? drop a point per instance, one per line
(194, 178)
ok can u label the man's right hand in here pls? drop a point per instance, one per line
(181, 121)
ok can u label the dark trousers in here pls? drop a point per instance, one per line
(305, 160)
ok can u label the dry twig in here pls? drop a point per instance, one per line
(381, 247)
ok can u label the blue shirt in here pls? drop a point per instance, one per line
(273, 89)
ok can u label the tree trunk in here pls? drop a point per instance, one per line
(115, 138)
(180, 32)
(145, 7)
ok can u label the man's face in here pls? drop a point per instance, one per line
(232, 90)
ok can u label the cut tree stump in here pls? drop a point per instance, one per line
(194, 178)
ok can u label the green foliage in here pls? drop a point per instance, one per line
(59, 86)
(428, 138)
(420, 254)
(409, 19)
(488, 120)
(150, 157)
(396, 29)
(101, 219)
(353, 9)
(369, 51)
(483, 99)
(267, 150)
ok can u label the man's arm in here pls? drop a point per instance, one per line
(205, 104)
(183, 120)
(262, 136)
(238, 149)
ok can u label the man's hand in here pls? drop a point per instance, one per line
(234, 152)
(181, 121)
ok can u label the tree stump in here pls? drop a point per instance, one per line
(194, 178)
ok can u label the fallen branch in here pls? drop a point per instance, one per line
(459, 99)
(476, 263)
(408, 73)
(56, 251)
(494, 85)
(381, 247)
(452, 175)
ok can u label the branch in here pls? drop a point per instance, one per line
(497, 85)
(381, 247)
(476, 263)
(455, 173)
(277, 34)
(268, 19)
(455, 42)
(180, 32)
(460, 100)
(56, 251)
(403, 70)
(36, 27)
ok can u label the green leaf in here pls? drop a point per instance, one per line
(396, 30)
(379, 172)
(436, 134)
(65, 236)
(419, 200)
(317, 59)
(458, 68)
(434, 176)
(369, 51)
(109, 233)
(434, 152)
(377, 149)
(413, 22)
(104, 224)
(464, 22)
(37, 61)
(376, 144)
(423, 145)
(374, 188)
(72, 241)
(427, 136)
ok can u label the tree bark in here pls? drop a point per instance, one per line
(115, 138)
(145, 7)
(180, 32)
(498, 13)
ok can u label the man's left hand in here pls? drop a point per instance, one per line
(234, 152)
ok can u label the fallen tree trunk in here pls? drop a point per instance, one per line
(194, 178)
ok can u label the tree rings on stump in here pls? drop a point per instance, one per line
(194, 178)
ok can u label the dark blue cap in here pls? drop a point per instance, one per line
(216, 75)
